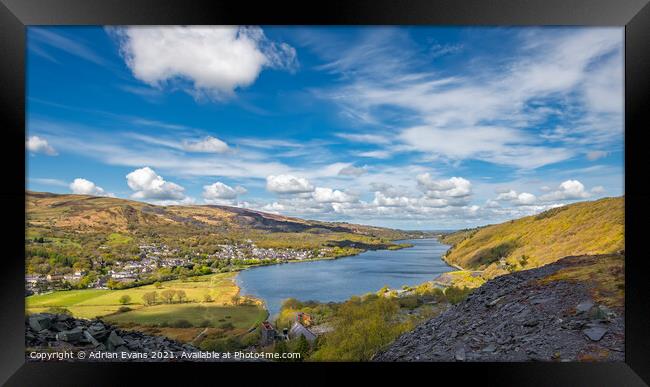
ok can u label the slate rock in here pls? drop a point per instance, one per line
(71, 336)
(595, 333)
(38, 322)
(460, 354)
(489, 348)
(584, 306)
(114, 341)
(531, 323)
(91, 339)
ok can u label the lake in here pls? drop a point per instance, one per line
(339, 279)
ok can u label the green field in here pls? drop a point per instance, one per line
(241, 317)
(90, 303)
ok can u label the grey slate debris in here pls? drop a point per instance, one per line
(595, 333)
(72, 336)
(47, 332)
(515, 318)
(40, 321)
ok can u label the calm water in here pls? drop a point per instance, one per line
(337, 280)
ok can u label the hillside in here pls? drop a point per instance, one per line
(84, 213)
(96, 237)
(570, 310)
(585, 228)
(72, 222)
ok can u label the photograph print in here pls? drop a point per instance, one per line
(324, 194)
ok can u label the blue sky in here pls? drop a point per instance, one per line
(408, 127)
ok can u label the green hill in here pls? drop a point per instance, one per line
(585, 228)
(89, 214)
(65, 233)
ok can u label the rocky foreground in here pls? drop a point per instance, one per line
(45, 332)
(523, 317)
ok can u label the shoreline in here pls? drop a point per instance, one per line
(335, 258)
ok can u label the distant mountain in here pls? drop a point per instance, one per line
(80, 214)
(585, 228)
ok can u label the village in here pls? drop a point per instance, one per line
(152, 257)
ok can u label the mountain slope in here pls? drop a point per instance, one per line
(85, 213)
(595, 227)
(570, 310)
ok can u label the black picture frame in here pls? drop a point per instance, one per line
(15, 15)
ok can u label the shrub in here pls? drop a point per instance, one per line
(455, 295)
(291, 303)
(227, 326)
(150, 298)
(204, 323)
(408, 302)
(182, 323)
(124, 309)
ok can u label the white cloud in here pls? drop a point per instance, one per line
(455, 187)
(288, 184)
(518, 199)
(377, 154)
(220, 193)
(507, 195)
(365, 138)
(207, 145)
(48, 181)
(492, 204)
(351, 170)
(274, 207)
(81, 186)
(214, 60)
(492, 144)
(328, 195)
(73, 47)
(486, 111)
(570, 189)
(37, 144)
(219, 190)
(150, 186)
(525, 199)
(595, 155)
(599, 189)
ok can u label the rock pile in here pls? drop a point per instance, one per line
(517, 318)
(45, 331)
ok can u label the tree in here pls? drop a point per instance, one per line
(125, 299)
(280, 347)
(302, 347)
(150, 298)
(207, 298)
(168, 295)
(180, 294)
(157, 284)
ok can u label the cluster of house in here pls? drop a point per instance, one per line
(251, 251)
(153, 256)
(270, 335)
(129, 271)
(37, 283)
